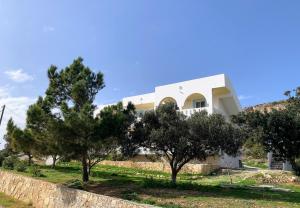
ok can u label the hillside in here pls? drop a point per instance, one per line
(278, 105)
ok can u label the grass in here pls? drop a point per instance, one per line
(153, 187)
(9, 202)
(256, 163)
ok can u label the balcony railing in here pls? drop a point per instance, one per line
(190, 111)
(187, 112)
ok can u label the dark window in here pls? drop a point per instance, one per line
(200, 104)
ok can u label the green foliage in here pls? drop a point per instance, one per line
(10, 127)
(259, 163)
(10, 202)
(20, 166)
(76, 184)
(44, 127)
(3, 154)
(9, 162)
(118, 122)
(19, 140)
(180, 140)
(23, 141)
(130, 195)
(190, 191)
(76, 130)
(254, 148)
(2, 158)
(35, 171)
(279, 129)
(155, 183)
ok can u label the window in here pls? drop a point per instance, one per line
(199, 104)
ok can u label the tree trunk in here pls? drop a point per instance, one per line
(89, 167)
(54, 161)
(29, 159)
(174, 175)
(295, 167)
(85, 172)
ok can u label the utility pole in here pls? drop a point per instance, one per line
(3, 109)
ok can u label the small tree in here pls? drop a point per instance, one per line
(23, 142)
(253, 125)
(72, 91)
(44, 127)
(83, 136)
(170, 134)
(10, 127)
(111, 132)
(283, 136)
(19, 140)
(280, 130)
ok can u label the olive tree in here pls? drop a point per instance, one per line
(179, 139)
(279, 129)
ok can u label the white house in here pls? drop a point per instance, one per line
(214, 94)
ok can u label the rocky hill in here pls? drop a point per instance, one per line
(278, 105)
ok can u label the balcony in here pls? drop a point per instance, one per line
(187, 112)
(190, 111)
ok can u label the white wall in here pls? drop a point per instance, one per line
(139, 99)
(227, 161)
(182, 90)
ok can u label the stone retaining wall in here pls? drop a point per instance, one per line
(42, 194)
(164, 167)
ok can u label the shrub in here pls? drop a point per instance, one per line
(76, 184)
(3, 154)
(152, 183)
(36, 171)
(20, 166)
(9, 162)
(130, 195)
(2, 158)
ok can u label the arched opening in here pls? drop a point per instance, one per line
(168, 100)
(195, 100)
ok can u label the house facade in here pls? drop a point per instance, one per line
(215, 94)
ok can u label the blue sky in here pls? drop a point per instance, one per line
(139, 44)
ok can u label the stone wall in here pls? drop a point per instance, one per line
(42, 194)
(164, 167)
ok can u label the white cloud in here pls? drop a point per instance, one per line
(48, 28)
(16, 108)
(18, 75)
(4, 92)
(245, 97)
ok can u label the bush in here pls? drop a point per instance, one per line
(20, 166)
(76, 184)
(180, 185)
(3, 154)
(2, 158)
(130, 195)
(153, 183)
(254, 148)
(9, 162)
(36, 171)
